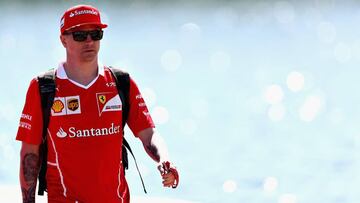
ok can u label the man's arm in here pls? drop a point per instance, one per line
(29, 169)
(154, 145)
(156, 148)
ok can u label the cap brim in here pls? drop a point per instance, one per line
(100, 25)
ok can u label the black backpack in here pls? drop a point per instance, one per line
(47, 93)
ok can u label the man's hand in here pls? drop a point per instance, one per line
(169, 174)
(156, 148)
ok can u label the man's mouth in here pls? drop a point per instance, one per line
(89, 50)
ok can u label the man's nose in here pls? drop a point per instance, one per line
(88, 38)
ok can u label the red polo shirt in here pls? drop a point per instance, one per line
(84, 136)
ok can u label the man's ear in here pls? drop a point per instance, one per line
(63, 40)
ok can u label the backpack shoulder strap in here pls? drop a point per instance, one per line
(122, 80)
(46, 83)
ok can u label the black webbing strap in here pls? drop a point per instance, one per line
(46, 83)
(122, 80)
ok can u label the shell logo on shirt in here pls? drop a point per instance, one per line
(66, 106)
(57, 106)
(108, 101)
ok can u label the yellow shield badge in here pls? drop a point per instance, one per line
(102, 98)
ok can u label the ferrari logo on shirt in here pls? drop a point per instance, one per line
(66, 106)
(102, 98)
(108, 101)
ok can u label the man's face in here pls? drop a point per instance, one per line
(82, 51)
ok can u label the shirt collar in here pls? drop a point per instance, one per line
(61, 73)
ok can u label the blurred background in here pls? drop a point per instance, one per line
(256, 100)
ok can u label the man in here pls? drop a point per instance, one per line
(84, 136)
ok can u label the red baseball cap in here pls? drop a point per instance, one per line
(80, 15)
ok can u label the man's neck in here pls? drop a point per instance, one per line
(81, 72)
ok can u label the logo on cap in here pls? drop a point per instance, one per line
(81, 12)
(62, 22)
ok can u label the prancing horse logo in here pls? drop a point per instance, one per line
(102, 98)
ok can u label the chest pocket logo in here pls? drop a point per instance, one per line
(58, 106)
(73, 104)
(102, 99)
(66, 106)
(108, 101)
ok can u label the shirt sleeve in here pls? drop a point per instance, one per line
(30, 125)
(139, 117)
